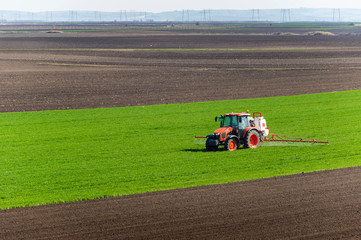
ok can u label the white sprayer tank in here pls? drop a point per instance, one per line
(260, 124)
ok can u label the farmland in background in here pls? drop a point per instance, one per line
(120, 128)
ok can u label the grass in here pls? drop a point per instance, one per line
(62, 156)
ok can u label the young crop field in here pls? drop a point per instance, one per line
(62, 156)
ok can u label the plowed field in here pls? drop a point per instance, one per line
(43, 73)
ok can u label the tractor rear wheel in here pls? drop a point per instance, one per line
(231, 144)
(252, 139)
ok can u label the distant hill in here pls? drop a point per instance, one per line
(264, 15)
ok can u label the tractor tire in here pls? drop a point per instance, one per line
(208, 148)
(231, 144)
(211, 147)
(252, 139)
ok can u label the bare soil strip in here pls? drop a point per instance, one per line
(55, 80)
(323, 205)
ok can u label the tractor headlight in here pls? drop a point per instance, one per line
(216, 135)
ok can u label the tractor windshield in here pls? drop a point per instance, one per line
(229, 121)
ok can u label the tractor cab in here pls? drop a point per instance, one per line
(237, 121)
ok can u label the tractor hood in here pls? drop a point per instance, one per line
(223, 132)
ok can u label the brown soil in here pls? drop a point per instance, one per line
(323, 205)
(37, 77)
(317, 205)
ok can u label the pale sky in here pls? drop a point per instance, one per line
(169, 5)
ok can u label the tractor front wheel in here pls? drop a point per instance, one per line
(212, 144)
(252, 139)
(231, 144)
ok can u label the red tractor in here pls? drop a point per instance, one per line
(241, 129)
(238, 129)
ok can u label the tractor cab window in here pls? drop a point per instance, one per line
(243, 122)
(229, 121)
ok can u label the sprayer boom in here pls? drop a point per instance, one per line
(281, 138)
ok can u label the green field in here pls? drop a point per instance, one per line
(61, 156)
